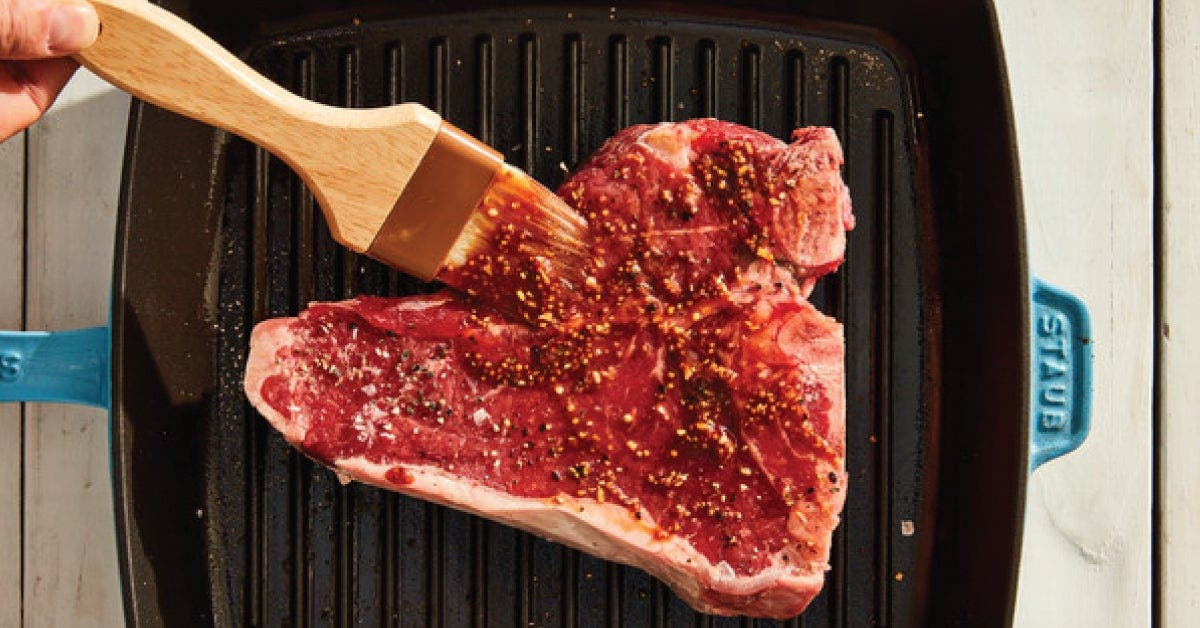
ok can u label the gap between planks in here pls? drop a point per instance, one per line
(1178, 335)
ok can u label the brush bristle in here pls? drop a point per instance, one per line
(516, 204)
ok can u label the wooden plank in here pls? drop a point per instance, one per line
(1082, 85)
(12, 255)
(1179, 396)
(75, 157)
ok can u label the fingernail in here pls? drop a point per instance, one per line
(73, 26)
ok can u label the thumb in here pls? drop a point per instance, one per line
(37, 29)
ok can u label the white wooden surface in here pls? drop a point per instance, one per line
(1081, 79)
(1179, 460)
(1081, 74)
(74, 167)
(12, 239)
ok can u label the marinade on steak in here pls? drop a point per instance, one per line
(673, 403)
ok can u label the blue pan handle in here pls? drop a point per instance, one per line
(56, 366)
(73, 367)
(1061, 377)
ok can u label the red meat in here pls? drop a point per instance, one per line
(672, 403)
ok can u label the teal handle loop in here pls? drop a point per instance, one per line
(56, 366)
(1061, 377)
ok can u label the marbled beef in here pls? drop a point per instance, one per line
(673, 403)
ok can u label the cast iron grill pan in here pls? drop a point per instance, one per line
(276, 541)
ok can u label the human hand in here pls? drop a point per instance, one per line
(35, 38)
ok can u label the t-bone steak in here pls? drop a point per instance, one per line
(673, 402)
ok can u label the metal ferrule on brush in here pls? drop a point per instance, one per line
(445, 189)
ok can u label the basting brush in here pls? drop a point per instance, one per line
(398, 183)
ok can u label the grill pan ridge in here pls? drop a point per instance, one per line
(324, 551)
(271, 539)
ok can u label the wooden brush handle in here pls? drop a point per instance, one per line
(158, 57)
(154, 55)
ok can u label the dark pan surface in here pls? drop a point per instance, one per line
(547, 99)
(224, 524)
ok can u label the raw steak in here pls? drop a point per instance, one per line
(672, 403)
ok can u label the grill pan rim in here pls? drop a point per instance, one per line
(124, 448)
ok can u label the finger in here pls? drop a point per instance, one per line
(38, 29)
(27, 89)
